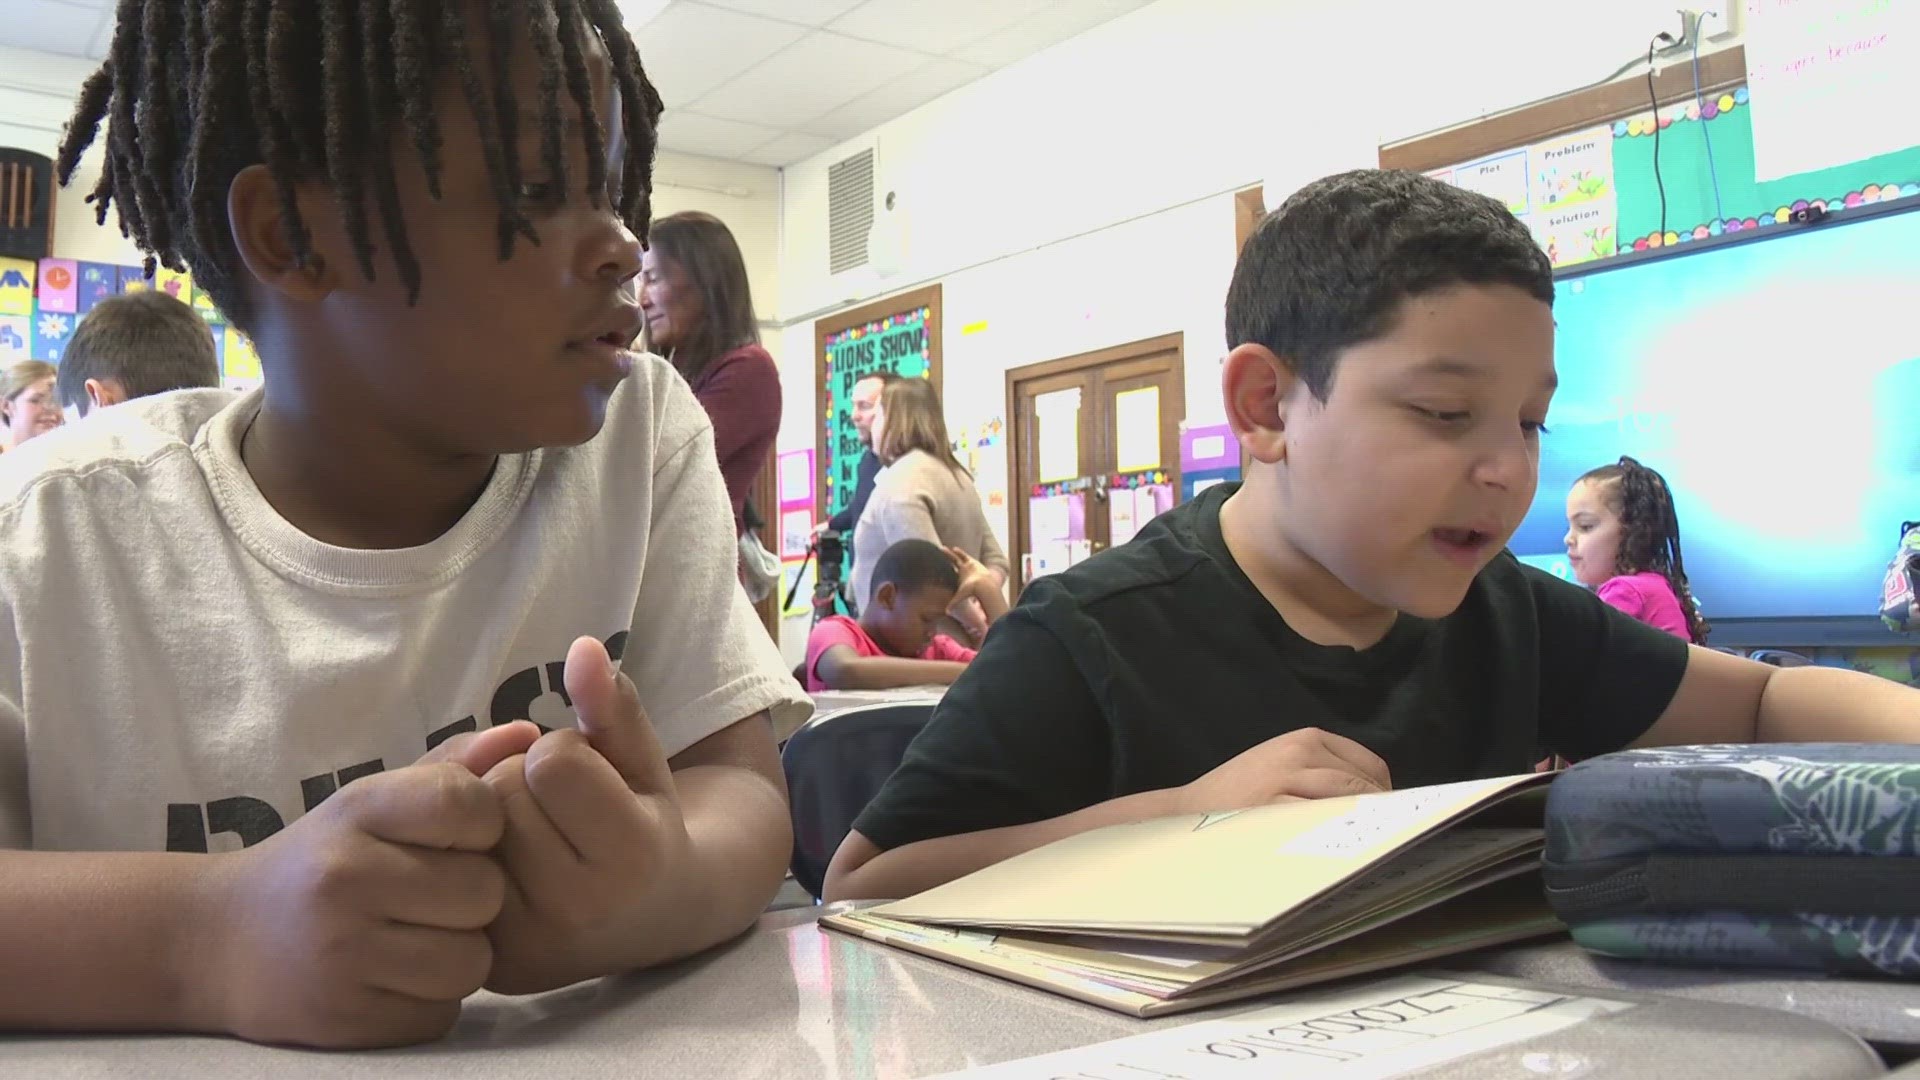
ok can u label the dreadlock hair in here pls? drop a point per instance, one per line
(194, 91)
(1649, 531)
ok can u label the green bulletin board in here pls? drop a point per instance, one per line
(1744, 203)
(1592, 194)
(899, 343)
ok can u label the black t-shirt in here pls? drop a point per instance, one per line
(1155, 662)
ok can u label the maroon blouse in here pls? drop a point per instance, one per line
(741, 393)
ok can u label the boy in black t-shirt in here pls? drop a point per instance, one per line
(1346, 620)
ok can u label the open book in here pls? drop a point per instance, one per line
(1161, 916)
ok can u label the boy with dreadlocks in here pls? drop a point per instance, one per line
(1623, 539)
(278, 673)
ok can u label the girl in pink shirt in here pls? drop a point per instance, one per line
(1623, 539)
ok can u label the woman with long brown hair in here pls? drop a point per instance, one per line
(699, 312)
(922, 492)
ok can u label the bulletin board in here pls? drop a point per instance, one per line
(1583, 179)
(41, 303)
(900, 334)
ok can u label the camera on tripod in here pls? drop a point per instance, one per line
(828, 552)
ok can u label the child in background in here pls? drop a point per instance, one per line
(310, 723)
(1623, 539)
(895, 643)
(132, 346)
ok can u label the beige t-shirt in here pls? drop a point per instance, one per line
(182, 669)
(919, 498)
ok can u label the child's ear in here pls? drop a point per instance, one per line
(884, 595)
(263, 234)
(1253, 385)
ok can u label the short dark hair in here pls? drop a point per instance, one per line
(148, 342)
(704, 250)
(913, 565)
(194, 91)
(1330, 268)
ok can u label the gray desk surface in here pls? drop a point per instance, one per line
(798, 1002)
(1882, 1012)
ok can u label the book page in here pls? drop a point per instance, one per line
(1426, 866)
(1210, 877)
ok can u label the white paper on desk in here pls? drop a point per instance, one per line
(1382, 1030)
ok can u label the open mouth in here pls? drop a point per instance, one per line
(1462, 543)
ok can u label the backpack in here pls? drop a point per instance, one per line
(1898, 607)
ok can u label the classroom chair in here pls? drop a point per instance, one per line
(834, 766)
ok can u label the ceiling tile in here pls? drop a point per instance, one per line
(807, 12)
(692, 48)
(932, 26)
(52, 26)
(820, 73)
(692, 133)
(1050, 26)
(897, 98)
(789, 149)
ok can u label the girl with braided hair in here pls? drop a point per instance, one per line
(1623, 539)
(310, 718)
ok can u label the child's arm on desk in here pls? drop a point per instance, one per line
(360, 924)
(840, 668)
(1730, 699)
(1304, 764)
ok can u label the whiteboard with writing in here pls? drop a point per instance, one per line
(1382, 1030)
(1825, 77)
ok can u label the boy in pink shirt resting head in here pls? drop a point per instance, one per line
(896, 641)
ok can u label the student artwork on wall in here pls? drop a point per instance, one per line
(16, 286)
(1592, 194)
(44, 302)
(97, 282)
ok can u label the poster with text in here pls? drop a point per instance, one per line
(1503, 177)
(898, 343)
(1573, 170)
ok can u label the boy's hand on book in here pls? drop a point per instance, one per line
(364, 923)
(594, 836)
(1304, 764)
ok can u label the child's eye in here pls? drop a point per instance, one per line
(541, 193)
(1534, 428)
(1444, 416)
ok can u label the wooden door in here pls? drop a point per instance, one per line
(1095, 451)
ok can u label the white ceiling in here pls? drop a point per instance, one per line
(765, 81)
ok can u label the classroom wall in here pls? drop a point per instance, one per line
(1083, 198)
(36, 97)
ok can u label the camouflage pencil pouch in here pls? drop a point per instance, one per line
(1785, 856)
